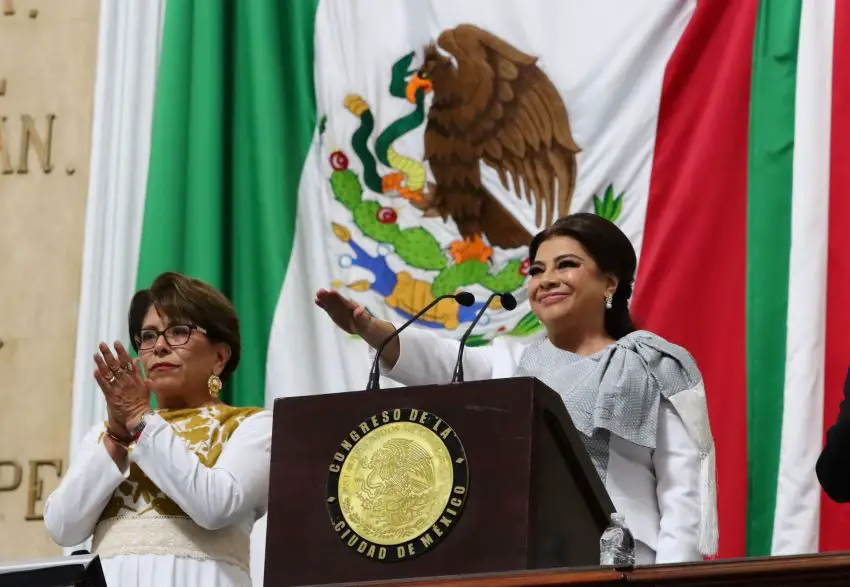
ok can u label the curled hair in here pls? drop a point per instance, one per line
(182, 298)
(613, 253)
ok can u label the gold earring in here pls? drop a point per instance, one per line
(609, 301)
(214, 384)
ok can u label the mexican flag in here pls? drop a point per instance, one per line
(292, 150)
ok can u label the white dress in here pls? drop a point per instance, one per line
(658, 490)
(181, 514)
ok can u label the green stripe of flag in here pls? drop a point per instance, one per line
(234, 117)
(771, 150)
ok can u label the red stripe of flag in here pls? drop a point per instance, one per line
(691, 281)
(835, 518)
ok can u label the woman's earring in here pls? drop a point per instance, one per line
(214, 385)
(609, 301)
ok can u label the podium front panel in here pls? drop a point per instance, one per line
(489, 535)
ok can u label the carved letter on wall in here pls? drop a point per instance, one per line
(42, 148)
(5, 159)
(17, 473)
(36, 485)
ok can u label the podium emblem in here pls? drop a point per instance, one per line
(397, 484)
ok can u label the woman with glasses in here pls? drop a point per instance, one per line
(170, 495)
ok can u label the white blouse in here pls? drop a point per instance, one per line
(181, 513)
(658, 490)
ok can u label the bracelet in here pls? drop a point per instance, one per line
(137, 430)
(125, 442)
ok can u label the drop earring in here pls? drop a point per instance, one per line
(609, 301)
(214, 385)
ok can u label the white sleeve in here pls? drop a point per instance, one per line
(426, 358)
(213, 497)
(73, 509)
(677, 470)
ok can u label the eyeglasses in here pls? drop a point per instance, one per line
(175, 335)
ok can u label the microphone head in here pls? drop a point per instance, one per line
(464, 298)
(508, 301)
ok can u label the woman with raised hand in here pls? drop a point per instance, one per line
(171, 495)
(637, 400)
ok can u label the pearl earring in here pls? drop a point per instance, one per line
(609, 301)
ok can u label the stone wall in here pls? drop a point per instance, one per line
(48, 54)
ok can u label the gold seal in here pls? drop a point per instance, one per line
(397, 484)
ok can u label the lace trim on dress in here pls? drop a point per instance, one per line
(181, 537)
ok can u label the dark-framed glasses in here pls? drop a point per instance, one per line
(175, 335)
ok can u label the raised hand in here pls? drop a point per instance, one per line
(354, 319)
(119, 378)
(347, 314)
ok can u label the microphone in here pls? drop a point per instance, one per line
(464, 298)
(508, 303)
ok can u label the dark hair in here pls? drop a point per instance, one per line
(613, 253)
(184, 298)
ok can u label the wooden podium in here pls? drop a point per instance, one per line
(533, 499)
